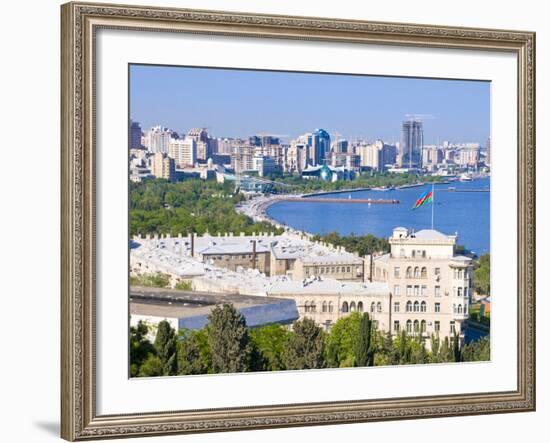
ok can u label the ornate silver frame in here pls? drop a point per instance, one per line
(80, 21)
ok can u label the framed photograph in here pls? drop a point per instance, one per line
(275, 221)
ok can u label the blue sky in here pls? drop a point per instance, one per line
(239, 103)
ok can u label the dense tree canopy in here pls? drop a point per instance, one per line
(226, 344)
(158, 206)
(482, 275)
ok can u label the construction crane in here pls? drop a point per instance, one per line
(419, 117)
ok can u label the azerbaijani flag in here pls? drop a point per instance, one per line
(426, 197)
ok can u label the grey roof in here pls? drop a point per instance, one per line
(431, 234)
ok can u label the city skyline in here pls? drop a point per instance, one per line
(240, 103)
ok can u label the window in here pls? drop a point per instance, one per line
(424, 290)
(416, 306)
(379, 307)
(312, 306)
(459, 310)
(322, 271)
(396, 326)
(360, 306)
(413, 253)
(352, 306)
(423, 254)
(416, 326)
(460, 292)
(409, 290)
(417, 272)
(437, 291)
(332, 269)
(324, 308)
(437, 326)
(417, 290)
(409, 306)
(345, 307)
(409, 272)
(424, 272)
(396, 290)
(372, 307)
(396, 307)
(348, 269)
(423, 306)
(409, 326)
(466, 291)
(437, 272)
(337, 269)
(452, 327)
(330, 307)
(396, 272)
(423, 326)
(307, 271)
(437, 307)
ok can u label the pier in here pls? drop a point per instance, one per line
(339, 200)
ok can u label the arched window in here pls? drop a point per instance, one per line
(330, 307)
(424, 273)
(416, 306)
(379, 307)
(409, 326)
(352, 306)
(417, 272)
(306, 306)
(409, 272)
(312, 306)
(409, 306)
(360, 306)
(372, 307)
(460, 292)
(345, 307)
(423, 306)
(416, 326)
(324, 308)
(460, 309)
(423, 326)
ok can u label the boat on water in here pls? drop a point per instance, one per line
(465, 178)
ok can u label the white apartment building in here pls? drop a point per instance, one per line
(157, 139)
(430, 285)
(183, 151)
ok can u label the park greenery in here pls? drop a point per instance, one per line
(370, 179)
(158, 206)
(482, 274)
(359, 244)
(227, 345)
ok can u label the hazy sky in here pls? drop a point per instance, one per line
(239, 103)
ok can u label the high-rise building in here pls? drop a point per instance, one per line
(242, 158)
(488, 152)
(412, 141)
(157, 139)
(264, 164)
(320, 146)
(163, 166)
(377, 155)
(183, 151)
(204, 147)
(134, 136)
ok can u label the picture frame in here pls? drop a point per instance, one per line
(80, 25)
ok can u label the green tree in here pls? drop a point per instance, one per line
(271, 341)
(229, 340)
(305, 349)
(166, 347)
(193, 358)
(341, 341)
(482, 275)
(479, 350)
(457, 352)
(140, 347)
(364, 346)
(151, 367)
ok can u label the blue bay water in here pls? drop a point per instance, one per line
(464, 213)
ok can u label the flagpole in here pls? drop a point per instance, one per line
(433, 204)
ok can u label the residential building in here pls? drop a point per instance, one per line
(430, 285)
(183, 151)
(163, 166)
(134, 135)
(158, 139)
